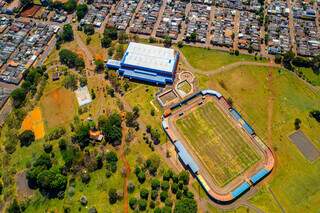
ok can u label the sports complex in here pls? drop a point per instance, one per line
(217, 145)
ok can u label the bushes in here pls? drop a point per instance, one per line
(26, 138)
(55, 133)
(155, 184)
(165, 185)
(186, 205)
(133, 203)
(113, 197)
(71, 59)
(142, 205)
(144, 194)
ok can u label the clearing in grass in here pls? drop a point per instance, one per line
(58, 106)
(33, 121)
(217, 143)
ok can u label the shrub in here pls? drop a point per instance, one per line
(55, 134)
(112, 196)
(133, 203)
(26, 138)
(85, 177)
(174, 188)
(47, 147)
(152, 204)
(154, 194)
(163, 196)
(155, 184)
(141, 177)
(131, 187)
(144, 193)
(165, 185)
(142, 205)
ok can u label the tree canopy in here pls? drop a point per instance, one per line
(186, 205)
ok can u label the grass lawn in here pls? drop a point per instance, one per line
(217, 143)
(313, 78)
(294, 181)
(204, 59)
(95, 45)
(185, 87)
(143, 96)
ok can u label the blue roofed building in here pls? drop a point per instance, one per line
(152, 64)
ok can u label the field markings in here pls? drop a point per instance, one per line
(217, 135)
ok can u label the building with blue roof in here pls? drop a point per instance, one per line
(151, 64)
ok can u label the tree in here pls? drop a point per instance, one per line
(122, 37)
(236, 52)
(52, 182)
(18, 96)
(297, 123)
(71, 59)
(62, 144)
(14, 207)
(106, 42)
(26, 138)
(316, 64)
(67, 33)
(70, 82)
(47, 147)
(155, 184)
(113, 197)
(185, 205)
(142, 205)
(287, 59)
(180, 44)
(141, 177)
(32, 175)
(131, 187)
(26, 3)
(165, 186)
(278, 59)
(85, 177)
(174, 188)
(111, 127)
(81, 135)
(144, 193)
(55, 133)
(167, 41)
(184, 177)
(112, 33)
(82, 10)
(70, 6)
(163, 196)
(154, 194)
(315, 114)
(193, 37)
(88, 29)
(99, 65)
(43, 160)
(111, 157)
(133, 203)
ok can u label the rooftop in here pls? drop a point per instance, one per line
(148, 56)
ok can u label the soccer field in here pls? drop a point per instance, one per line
(217, 143)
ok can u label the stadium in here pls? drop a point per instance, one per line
(147, 63)
(217, 145)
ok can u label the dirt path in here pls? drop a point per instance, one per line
(88, 59)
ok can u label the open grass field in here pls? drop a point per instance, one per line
(310, 75)
(58, 106)
(34, 121)
(204, 59)
(143, 96)
(294, 181)
(94, 46)
(217, 143)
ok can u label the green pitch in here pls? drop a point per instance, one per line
(217, 143)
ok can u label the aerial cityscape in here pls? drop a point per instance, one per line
(160, 106)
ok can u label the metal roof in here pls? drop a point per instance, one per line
(150, 57)
(240, 189)
(259, 175)
(186, 157)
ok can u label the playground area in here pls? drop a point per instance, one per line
(217, 142)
